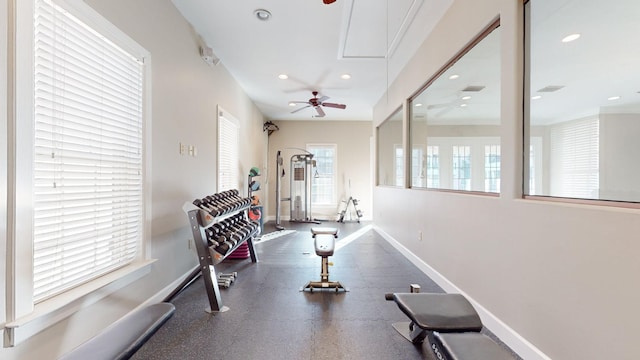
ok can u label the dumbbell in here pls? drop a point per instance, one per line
(204, 205)
(224, 283)
(222, 232)
(215, 201)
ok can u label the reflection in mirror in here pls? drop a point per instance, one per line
(455, 122)
(390, 158)
(583, 99)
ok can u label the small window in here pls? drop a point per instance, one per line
(323, 184)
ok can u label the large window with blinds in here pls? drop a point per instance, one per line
(80, 151)
(87, 180)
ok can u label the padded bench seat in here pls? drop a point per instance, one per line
(439, 312)
(470, 346)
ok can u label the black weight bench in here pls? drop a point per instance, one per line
(450, 323)
(124, 337)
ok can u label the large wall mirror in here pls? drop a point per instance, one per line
(390, 151)
(455, 122)
(582, 106)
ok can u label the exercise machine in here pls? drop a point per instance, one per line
(449, 323)
(301, 168)
(325, 242)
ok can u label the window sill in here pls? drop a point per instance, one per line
(53, 310)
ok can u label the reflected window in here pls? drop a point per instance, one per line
(390, 156)
(456, 117)
(582, 105)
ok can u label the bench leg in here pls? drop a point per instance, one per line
(324, 282)
(410, 331)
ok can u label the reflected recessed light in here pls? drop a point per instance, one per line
(292, 104)
(283, 76)
(463, 105)
(418, 104)
(614, 98)
(536, 97)
(466, 97)
(345, 76)
(570, 38)
(262, 14)
(454, 76)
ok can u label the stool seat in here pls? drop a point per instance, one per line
(471, 346)
(324, 244)
(324, 231)
(439, 312)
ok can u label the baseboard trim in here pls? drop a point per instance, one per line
(517, 343)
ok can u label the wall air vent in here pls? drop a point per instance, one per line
(473, 88)
(551, 88)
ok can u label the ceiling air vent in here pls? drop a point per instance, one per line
(473, 88)
(551, 88)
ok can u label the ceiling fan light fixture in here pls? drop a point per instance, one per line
(262, 14)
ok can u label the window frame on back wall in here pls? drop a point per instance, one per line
(27, 314)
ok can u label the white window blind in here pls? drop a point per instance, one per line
(575, 159)
(87, 185)
(323, 185)
(227, 153)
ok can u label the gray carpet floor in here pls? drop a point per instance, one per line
(269, 318)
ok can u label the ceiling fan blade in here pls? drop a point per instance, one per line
(296, 110)
(338, 106)
(323, 98)
(320, 111)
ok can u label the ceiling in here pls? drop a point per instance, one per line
(314, 44)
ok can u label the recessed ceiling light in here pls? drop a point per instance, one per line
(292, 104)
(262, 14)
(536, 97)
(463, 105)
(345, 76)
(614, 98)
(283, 76)
(454, 76)
(570, 38)
(418, 105)
(466, 97)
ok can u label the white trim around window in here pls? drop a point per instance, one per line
(24, 316)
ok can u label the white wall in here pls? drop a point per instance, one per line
(353, 141)
(561, 276)
(186, 92)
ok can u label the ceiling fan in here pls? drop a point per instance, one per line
(328, 1)
(317, 103)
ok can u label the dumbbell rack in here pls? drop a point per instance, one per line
(200, 220)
